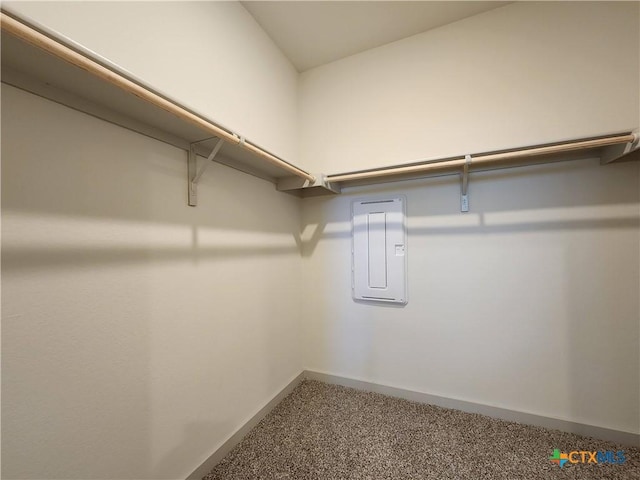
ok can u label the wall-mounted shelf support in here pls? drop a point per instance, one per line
(40, 61)
(307, 188)
(614, 153)
(194, 174)
(464, 197)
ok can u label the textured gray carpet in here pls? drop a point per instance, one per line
(324, 431)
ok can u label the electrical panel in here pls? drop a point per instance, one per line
(379, 250)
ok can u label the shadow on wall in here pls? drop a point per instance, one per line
(106, 173)
(489, 214)
(108, 196)
(123, 308)
(27, 258)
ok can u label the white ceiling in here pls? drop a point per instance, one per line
(312, 33)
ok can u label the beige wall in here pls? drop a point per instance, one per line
(211, 56)
(528, 302)
(138, 333)
(523, 74)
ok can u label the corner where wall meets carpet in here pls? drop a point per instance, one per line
(324, 431)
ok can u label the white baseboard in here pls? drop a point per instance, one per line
(625, 438)
(239, 434)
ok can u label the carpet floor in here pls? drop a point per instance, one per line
(330, 432)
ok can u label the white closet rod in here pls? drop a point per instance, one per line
(37, 39)
(483, 160)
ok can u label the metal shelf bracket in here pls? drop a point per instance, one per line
(614, 153)
(194, 174)
(464, 197)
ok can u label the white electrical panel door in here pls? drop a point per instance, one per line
(379, 260)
